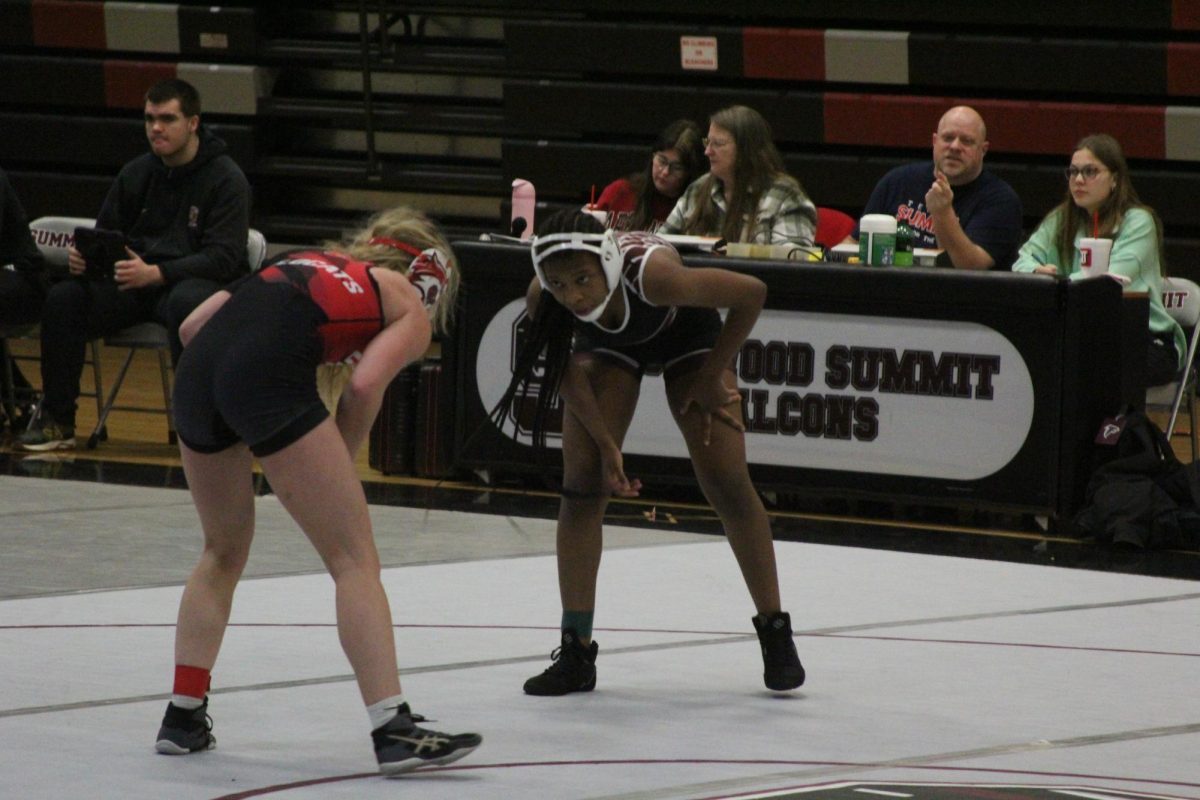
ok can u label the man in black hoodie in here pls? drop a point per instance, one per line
(184, 209)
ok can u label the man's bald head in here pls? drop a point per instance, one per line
(959, 145)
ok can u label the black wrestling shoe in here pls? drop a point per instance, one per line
(401, 746)
(782, 669)
(185, 730)
(573, 670)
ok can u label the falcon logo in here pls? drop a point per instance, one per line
(429, 272)
(1110, 432)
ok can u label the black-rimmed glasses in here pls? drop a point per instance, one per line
(1087, 173)
(672, 167)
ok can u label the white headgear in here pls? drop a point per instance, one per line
(603, 245)
(429, 271)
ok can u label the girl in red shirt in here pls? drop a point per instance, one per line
(641, 201)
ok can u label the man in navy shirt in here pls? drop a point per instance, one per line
(954, 204)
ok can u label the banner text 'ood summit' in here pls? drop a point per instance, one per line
(773, 374)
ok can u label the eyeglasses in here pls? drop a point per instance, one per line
(715, 144)
(672, 167)
(1087, 173)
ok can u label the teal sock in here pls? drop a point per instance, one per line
(579, 621)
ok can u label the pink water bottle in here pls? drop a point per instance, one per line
(523, 201)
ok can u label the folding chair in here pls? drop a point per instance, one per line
(52, 235)
(154, 336)
(1181, 298)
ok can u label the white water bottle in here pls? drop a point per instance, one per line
(877, 239)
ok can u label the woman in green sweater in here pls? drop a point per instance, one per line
(1100, 195)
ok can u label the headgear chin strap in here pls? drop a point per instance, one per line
(604, 245)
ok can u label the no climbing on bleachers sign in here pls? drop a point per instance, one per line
(698, 52)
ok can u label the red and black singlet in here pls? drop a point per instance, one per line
(342, 289)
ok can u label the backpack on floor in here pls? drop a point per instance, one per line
(1141, 495)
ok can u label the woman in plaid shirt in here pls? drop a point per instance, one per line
(747, 195)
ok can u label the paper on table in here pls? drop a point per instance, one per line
(690, 242)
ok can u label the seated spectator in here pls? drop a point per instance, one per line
(954, 205)
(747, 195)
(184, 208)
(642, 201)
(1101, 195)
(22, 274)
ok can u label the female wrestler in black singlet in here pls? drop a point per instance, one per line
(605, 308)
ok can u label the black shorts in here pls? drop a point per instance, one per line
(250, 374)
(672, 352)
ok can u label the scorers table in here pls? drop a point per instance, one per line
(917, 385)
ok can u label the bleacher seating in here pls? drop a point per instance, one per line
(852, 90)
(215, 32)
(70, 116)
(465, 97)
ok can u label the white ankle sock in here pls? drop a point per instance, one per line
(186, 701)
(382, 712)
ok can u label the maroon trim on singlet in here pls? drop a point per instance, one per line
(343, 289)
(643, 320)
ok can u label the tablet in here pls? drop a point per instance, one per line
(101, 250)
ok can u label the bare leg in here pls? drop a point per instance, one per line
(224, 496)
(725, 479)
(315, 480)
(579, 537)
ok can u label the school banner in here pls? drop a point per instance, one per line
(929, 384)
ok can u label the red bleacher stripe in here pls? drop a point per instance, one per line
(1024, 127)
(882, 120)
(1183, 68)
(788, 53)
(126, 82)
(68, 24)
(1013, 126)
(1185, 15)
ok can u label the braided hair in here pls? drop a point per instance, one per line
(549, 336)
